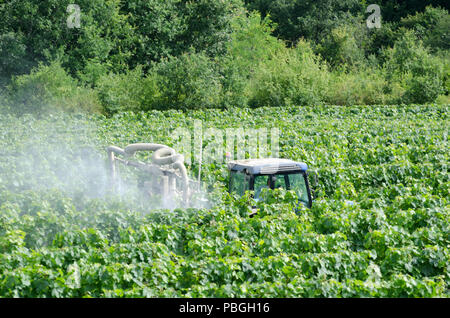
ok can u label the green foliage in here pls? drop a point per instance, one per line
(143, 55)
(251, 45)
(190, 81)
(159, 26)
(12, 55)
(290, 77)
(114, 35)
(48, 88)
(410, 64)
(395, 10)
(364, 87)
(252, 42)
(393, 242)
(104, 35)
(118, 92)
(174, 27)
(342, 48)
(431, 26)
(308, 19)
(209, 25)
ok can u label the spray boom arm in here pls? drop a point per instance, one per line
(165, 163)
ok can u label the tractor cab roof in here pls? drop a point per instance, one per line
(267, 166)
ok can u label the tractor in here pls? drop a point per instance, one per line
(257, 174)
(167, 176)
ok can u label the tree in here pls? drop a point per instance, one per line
(104, 35)
(309, 19)
(412, 65)
(208, 25)
(158, 26)
(431, 26)
(395, 10)
(13, 59)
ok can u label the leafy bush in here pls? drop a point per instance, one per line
(342, 48)
(290, 77)
(208, 25)
(431, 26)
(251, 45)
(410, 64)
(104, 35)
(366, 87)
(48, 88)
(308, 19)
(122, 92)
(159, 25)
(13, 59)
(190, 81)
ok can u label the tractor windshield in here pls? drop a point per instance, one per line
(261, 182)
(238, 182)
(297, 182)
(291, 181)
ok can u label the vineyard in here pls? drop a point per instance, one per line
(63, 233)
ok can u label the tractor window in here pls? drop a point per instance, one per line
(238, 183)
(298, 184)
(261, 182)
(281, 182)
(293, 181)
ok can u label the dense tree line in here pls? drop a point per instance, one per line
(155, 54)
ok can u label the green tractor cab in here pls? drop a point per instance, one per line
(257, 174)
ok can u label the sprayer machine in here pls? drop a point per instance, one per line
(167, 174)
